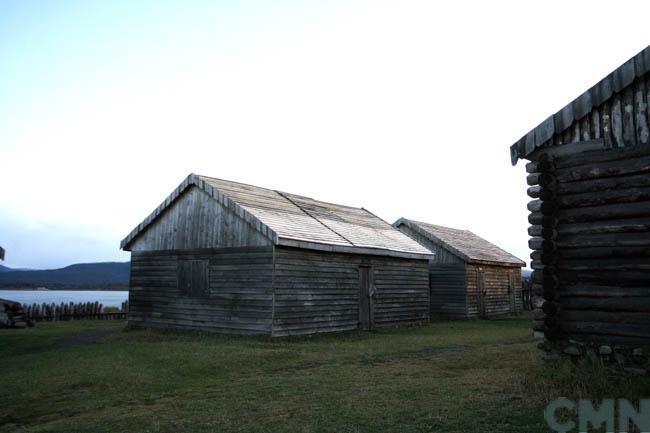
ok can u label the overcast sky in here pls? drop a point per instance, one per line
(405, 108)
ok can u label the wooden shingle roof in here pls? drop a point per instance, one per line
(637, 67)
(297, 221)
(462, 243)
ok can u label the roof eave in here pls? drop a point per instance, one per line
(612, 84)
(497, 263)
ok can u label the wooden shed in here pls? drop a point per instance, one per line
(589, 178)
(228, 257)
(468, 275)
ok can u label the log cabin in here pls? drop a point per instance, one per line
(228, 257)
(589, 180)
(468, 276)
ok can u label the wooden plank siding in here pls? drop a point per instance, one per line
(196, 220)
(214, 257)
(239, 298)
(319, 292)
(498, 282)
(441, 256)
(448, 291)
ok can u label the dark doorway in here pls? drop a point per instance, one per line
(365, 299)
(512, 292)
(480, 293)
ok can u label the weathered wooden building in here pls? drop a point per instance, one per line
(589, 177)
(228, 257)
(468, 275)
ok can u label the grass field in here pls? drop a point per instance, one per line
(462, 376)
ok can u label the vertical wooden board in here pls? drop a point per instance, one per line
(617, 122)
(641, 112)
(629, 130)
(596, 125)
(196, 220)
(576, 131)
(585, 128)
(606, 123)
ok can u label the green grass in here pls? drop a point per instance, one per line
(462, 376)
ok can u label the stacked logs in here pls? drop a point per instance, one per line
(590, 236)
(543, 232)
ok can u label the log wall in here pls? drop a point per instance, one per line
(319, 292)
(590, 236)
(238, 298)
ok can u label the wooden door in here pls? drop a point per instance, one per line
(512, 292)
(365, 299)
(480, 293)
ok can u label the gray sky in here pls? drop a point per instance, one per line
(405, 108)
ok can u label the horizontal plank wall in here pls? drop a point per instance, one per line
(448, 291)
(402, 291)
(498, 282)
(237, 298)
(196, 220)
(319, 292)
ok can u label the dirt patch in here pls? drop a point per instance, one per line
(85, 337)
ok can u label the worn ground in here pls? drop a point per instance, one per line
(463, 376)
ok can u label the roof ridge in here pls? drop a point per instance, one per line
(234, 181)
(443, 227)
(313, 217)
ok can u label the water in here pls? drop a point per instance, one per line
(108, 298)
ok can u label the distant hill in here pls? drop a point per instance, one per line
(525, 273)
(95, 276)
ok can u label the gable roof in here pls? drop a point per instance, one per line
(600, 93)
(297, 221)
(462, 243)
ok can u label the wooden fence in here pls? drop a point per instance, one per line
(74, 311)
